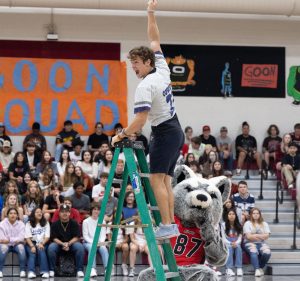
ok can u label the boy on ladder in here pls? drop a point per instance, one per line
(154, 101)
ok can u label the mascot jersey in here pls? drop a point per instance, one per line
(188, 247)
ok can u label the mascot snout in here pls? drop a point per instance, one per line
(199, 199)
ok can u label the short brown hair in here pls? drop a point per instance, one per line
(144, 53)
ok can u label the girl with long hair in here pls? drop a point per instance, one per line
(32, 199)
(63, 161)
(105, 164)
(85, 179)
(217, 169)
(68, 179)
(190, 157)
(88, 166)
(282, 149)
(46, 162)
(12, 201)
(18, 168)
(256, 232)
(47, 179)
(37, 235)
(10, 188)
(233, 235)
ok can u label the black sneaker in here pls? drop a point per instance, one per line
(295, 102)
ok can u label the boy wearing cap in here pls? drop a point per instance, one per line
(6, 156)
(291, 164)
(207, 138)
(65, 236)
(224, 145)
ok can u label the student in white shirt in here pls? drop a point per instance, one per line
(88, 231)
(37, 235)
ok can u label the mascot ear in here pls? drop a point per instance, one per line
(224, 185)
(182, 172)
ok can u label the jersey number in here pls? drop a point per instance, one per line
(182, 241)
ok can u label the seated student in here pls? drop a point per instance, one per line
(6, 156)
(96, 139)
(88, 231)
(138, 243)
(188, 131)
(129, 207)
(99, 155)
(233, 235)
(23, 187)
(256, 232)
(196, 147)
(270, 144)
(224, 145)
(291, 165)
(296, 136)
(52, 202)
(12, 235)
(99, 189)
(105, 164)
(227, 206)
(18, 168)
(217, 169)
(46, 180)
(207, 166)
(65, 237)
(32, 157)
(282, 150)
(12, 201)
(10, 188)
(80, 201)
(33, 198)
(190, 157)
(74, 214)
(111, 207)
(88, 183)
(68, 179)
(46, 162)
(76, 155)
(118, 176)
(37, 235)
(246, 146)
(63, 161)
(195, 167)
(87, 165)
(244, 200)
(207, 138)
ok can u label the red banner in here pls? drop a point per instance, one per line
(260, 75)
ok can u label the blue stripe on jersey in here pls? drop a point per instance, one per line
(141, 109)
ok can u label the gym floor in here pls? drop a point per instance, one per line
(119, 278)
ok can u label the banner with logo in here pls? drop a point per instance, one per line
(226, 71)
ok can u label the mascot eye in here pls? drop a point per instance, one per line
(213, 196)
(189, 189)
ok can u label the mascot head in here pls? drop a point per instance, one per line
(198, 200)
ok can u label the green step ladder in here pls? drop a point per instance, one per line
(139, 176)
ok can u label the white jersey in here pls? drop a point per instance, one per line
(154, 93)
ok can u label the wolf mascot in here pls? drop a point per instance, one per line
(198, 211)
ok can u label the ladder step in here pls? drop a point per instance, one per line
(171, 275)
(164, 241)
(119, 181)
(123, 225)
(144, 175)
(153, 208)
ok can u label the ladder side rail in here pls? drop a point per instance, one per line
(117, 219)
(167, 248)
(101, 215)
(144, 214)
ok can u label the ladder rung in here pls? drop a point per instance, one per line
(164, 241)
(129, 219)
(144, 175)
(123, 225)
(104, 243)
(153, 208)
(119, 181)
(171, 274)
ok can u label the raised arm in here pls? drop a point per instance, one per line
(153, 32)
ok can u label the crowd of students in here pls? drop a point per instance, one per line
(50, 204)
